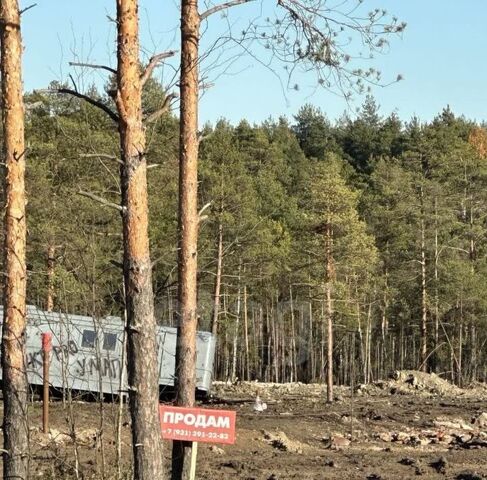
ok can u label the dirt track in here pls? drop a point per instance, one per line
(254, 458)
(374, 435)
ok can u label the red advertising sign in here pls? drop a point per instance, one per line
(197, 424)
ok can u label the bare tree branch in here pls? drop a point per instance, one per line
(101, 200)
(74, 83)
(91, 65)
(100, 155)
(206, 85)
(205, 207)
(116, 264)
(89, 100)
(202, 137)
(24, 10)
(153, 63)
(161, 111)
(222, 6)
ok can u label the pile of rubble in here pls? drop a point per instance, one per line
(269, 390)
(84, 436)
(406, 382)
(401, 382)
(273, 390)
(455, 432)
(281, 441)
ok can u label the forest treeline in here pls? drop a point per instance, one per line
(372, 224)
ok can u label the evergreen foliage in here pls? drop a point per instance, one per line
(395, 194)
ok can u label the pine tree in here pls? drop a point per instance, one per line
(14, 380)
(340, 241)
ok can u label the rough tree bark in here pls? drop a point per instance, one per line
(188, 225)
(15, 427)
(141, 325)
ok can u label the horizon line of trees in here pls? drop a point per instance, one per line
(371, 228)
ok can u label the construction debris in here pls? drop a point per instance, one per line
(217, 450)
(280, 441)
(406, 382)
(440, 465)
(401, 382)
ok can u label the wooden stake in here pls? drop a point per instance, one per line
(46, 348)
(194, 454)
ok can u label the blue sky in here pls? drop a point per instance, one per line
(440, 55)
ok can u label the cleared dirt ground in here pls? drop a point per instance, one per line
(425, 428)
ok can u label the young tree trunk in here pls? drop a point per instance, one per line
(236, 330)
(15, 427)
(311, 353)
(329, 317)
(51, 251)
(143, 378)
(401, 347)
(293, 354)
(246, 335)
(424, 317)
(259, 345)
(188, 225)
(393, 353)
(362, 345)
(385, 325)
(453, 363)
(322, 375)
(460, 347)
(225, 347)
(274, 359)
(368, 340)
(473, 336)
(330, 275)
(218, 282)
(437, 303)
(268, 332)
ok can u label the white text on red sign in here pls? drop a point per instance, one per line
(197, 424)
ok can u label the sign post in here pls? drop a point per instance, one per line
(46, 348)
(197, 425)
(194, 454)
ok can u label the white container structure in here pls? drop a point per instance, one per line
(87, 353)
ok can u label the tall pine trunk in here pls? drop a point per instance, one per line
(143, 378)
(188, 225)
(15, 427)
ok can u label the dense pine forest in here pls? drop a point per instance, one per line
(371, 227)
